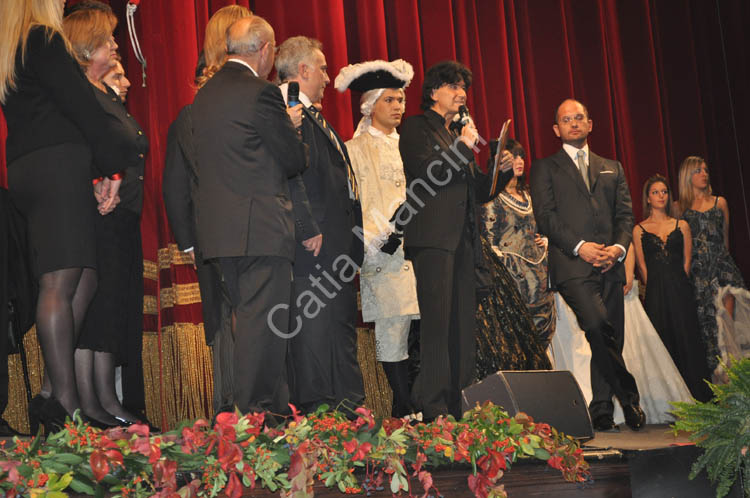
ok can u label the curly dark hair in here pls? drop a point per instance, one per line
(443, 73)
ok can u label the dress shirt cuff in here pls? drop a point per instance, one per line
(624, 253)
(188, 249)
(577, 247)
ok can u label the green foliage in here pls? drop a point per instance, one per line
(722, 428)
(239, 451)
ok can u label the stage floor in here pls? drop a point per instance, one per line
(650, 437)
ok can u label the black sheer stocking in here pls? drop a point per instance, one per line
(64, 296)
(104, 381)
(87, 387)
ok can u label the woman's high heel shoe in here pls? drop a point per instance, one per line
(36, 407)
(52, 415)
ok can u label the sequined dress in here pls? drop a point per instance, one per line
(711, 270)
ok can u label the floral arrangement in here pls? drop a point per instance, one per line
(357, 454)
(721, 427)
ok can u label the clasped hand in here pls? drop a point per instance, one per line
(599, 255)
(105, 193)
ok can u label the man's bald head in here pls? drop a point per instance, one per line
(252, 39)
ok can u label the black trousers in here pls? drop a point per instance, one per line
(260, 289)
(599, 306)
(323, 352)
(447, 303)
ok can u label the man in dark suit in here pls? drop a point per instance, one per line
(180, 191)
(582, 203)
(441, 236)
(246, 149)
(323, 350)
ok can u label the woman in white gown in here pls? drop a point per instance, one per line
(659, 382)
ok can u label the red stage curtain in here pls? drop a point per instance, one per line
(662, 80)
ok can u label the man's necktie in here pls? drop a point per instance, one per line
(583, 168)
(353, 190)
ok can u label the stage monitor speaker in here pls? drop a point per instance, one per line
(549, 396)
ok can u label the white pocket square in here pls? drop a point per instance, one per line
(606, 171)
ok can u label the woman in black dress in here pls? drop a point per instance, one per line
(111, 333)
(507, 334)
(55, 129)
(663, 253)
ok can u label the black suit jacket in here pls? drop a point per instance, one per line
(246, 149)
(180, 187)
(131, 189)
(327, 187)
(567, 212)
(443, 183)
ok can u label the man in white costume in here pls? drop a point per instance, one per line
(388, 285)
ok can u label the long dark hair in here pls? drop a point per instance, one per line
(515, 148)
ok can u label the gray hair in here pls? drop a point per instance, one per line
(249, 41)
(293, 51)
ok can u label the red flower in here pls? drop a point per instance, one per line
(350, 446)
(555, 462)
(144, 446)
(99, 464)
(234, 487)
(256, 421)
(226, 418)
(10, 468)
(193, 439)
(140, 429)
(426, 479)
(190, 490)
(229, 454)
(295, 413)
(165, 474)
(362, 451)
(365, 415)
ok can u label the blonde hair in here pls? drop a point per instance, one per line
(215, 41)
(17, 18)
(685, 185)
(87, 30)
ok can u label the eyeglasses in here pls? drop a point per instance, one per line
(578, 118)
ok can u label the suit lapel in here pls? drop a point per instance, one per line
(326, 134)
(566, 164)
(447, 138)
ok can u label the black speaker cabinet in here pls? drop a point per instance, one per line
(550, 396)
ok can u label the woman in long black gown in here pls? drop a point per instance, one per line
(663, 249)
(507, 333)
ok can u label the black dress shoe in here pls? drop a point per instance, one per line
(36, 406)
(634, 416)
(7, 431)
(605, 423)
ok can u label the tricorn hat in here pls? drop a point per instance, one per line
(374, 74)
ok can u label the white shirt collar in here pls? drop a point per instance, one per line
(304, 99)
(240, 61)
(573, 153)
(377, 133)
